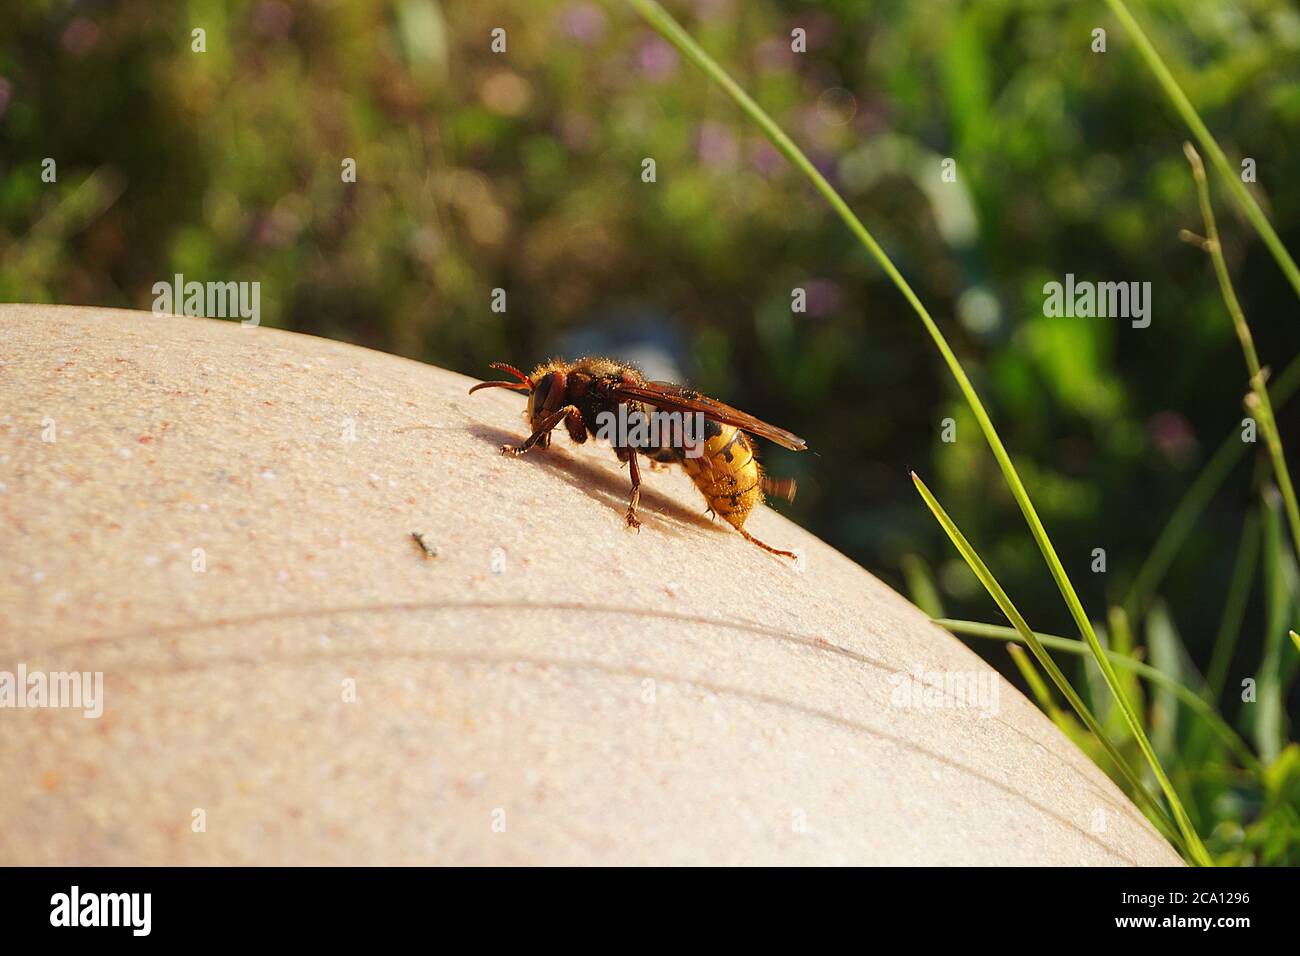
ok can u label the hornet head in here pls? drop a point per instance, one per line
(546, 394)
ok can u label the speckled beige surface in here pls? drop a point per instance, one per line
(582, 695)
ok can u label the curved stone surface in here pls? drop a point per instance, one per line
(218, 519)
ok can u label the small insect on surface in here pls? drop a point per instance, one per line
(666, 423)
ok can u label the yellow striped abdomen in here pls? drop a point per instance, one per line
(727, 473)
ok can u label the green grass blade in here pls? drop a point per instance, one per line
(1037, 686)
(921, 589)
(1268, 714)
(1198, 496)
(1234, 606)
(1168, 657)
(1190, 842)
(1189, 698)
(1261, 405)
(1067, 724)
(1203, 135)
(1121, 642)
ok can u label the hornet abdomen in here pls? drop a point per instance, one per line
(727, 473)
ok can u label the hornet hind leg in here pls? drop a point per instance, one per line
(767, 547)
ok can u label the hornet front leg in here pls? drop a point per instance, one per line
(543, 430)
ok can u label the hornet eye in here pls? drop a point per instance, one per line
(537, 399)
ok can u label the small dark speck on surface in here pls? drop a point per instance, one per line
(428, 550)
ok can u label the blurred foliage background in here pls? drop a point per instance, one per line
(522, 170)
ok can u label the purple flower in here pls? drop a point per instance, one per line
(656, 59)
(584, 22)
(764, 158)
(1172, 436)
(823, 297)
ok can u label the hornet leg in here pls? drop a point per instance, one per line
(543, 430)
(632, 520)
(767, 547)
